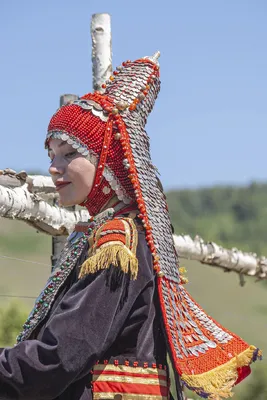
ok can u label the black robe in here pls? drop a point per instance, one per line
(105, 316)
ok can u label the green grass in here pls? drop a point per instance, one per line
(241, 309)
(16, 237)
(18, 278)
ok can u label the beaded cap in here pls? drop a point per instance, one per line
(109, 129)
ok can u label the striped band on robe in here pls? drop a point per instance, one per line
(124, 382)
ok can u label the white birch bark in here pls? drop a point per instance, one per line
(19, 203)
(40, 184)
(67, 99)
(101, 49)
(212, 254)
(36, 183)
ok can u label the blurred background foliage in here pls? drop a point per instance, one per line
(12, 318)
(230, 216)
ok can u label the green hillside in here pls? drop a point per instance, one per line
(230, 216)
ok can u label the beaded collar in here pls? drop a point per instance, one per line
(70, 254)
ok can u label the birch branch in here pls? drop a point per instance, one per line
(211, 254)
(36, 183)
(40, 184)
(101, 49)
(10, 178)
(19, 203)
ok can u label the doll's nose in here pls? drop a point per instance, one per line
(55, 168)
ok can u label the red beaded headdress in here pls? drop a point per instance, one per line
(109, 128)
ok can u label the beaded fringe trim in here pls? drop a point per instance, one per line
(117, 255)
(218, 383)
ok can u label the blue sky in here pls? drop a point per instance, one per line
(209, 123)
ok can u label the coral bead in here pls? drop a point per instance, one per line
(117, 136)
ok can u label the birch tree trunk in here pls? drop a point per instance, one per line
(101, 49)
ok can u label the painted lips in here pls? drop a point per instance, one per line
(60, 186)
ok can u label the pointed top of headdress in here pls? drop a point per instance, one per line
(154, 58)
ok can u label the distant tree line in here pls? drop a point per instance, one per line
(230, 216)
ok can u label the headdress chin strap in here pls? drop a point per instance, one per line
(100, 185)
(103, 157)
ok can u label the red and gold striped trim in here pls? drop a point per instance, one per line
(113, 243)
(129, 382)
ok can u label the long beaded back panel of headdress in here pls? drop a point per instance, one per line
(109, 128)
(129, 97)
(137, 84)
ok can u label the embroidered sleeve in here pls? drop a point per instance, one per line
(113, 244)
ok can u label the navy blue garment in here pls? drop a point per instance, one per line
(102, 316)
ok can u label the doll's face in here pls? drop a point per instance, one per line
(72, 174)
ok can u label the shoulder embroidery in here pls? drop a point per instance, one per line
(113, 243)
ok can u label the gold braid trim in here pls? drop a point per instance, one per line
(113, 253)
(218, 383)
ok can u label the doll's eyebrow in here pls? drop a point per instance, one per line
(60, 145)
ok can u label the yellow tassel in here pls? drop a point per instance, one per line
(218, 383)
(117, 255)
(184, 279)
(182, 270)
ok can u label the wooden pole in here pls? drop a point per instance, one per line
(67, 99)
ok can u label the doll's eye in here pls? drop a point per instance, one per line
(71, 154)
(50, 158)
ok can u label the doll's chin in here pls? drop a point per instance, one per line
(64, 202)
